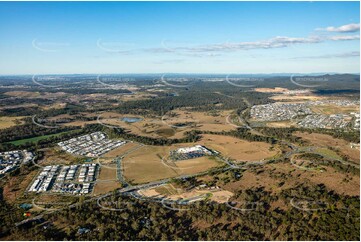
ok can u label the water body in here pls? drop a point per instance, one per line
(131, 119)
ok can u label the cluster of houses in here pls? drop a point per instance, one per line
(279, 111)
(356, 124)
(87, 173)
(90, 145)
(333, 121)
(187, 153)
(307, 119)
(66, 179)
(10, 160)
(45, 179)
(340, 102)
(72, 188)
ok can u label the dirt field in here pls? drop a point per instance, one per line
(324, 140)
(7, 122)
(168, 191)
(145, 164)
(332, 109)
(297, 97)
(271, 90)
(237, 149)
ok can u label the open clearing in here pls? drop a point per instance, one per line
(296, 97)
(332, 109)
(107, 180)
(108, 172)
(121, 150)
(102, 187)
(7, 122)
(276, 174)
(168, 191)
(280, 124)
(170, 125)
(324, 140)
(145, 164)
(237, 149)
(36, 139)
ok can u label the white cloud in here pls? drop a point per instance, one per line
(342, 29)
(337, 55)
(276, 42)
(344, 37)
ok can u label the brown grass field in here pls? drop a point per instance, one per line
(107, 172)
(240, 150)
(7, 122)
(157, 128)
(324, 140)
(332, 109)
(332, 179)
(145, 164)
(103, 187)
(297, 97)
(107, 180)
(121, 150)
(280, 124)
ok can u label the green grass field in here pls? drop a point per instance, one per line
(36, 139)
(328, 153)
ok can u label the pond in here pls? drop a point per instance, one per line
(131, 119)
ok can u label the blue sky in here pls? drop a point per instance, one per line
(179, 37)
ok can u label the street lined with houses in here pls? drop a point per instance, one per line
(90, 145)
(10, 160)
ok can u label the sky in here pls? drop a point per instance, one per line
(179, 37)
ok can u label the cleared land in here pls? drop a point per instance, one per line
(324, 140)
(145, 164)
(107, 180)
(240, 150)
(121, 150)
(102, 187)
(332, 109)
(7, 122)
(170, 192)
(280, 176)
(172, 125)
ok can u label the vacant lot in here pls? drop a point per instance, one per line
(7, 122)
(237, 149)
(280, 176)
(172, 125)
(324, 140)
(332, 109)
(107, 172)
(102, 187)
(122, 150)
(296, 97)
(168, 191)
(145, 164)
(280, 124)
